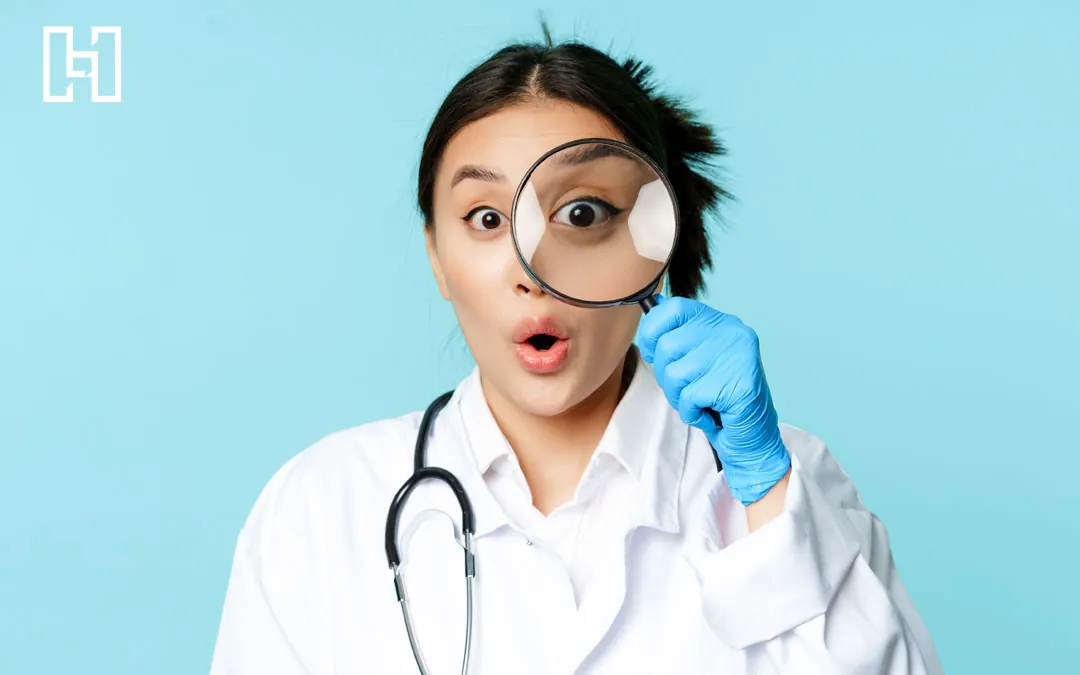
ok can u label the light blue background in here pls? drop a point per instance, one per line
(200, 281)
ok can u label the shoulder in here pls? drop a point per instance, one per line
(345, 472)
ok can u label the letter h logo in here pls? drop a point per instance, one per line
(70, 56)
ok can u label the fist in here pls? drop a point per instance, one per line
(709, 366)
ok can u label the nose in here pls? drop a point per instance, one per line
(525, 286)
(519, 280)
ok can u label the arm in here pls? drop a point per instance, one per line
(769, 507)
(796, 574)
(250, 639)
(813, 587)
(263, 614)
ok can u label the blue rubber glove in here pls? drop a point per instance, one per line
(706, 361)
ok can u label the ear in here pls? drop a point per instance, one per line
(436, 265)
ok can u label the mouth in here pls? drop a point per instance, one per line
(542, 345)
(542, 342)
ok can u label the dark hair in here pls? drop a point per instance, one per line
(574, 72)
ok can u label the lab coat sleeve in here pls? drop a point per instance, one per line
(814, 590)
(252, 638)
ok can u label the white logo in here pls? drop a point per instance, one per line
(70, 55)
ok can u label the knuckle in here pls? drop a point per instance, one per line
(665, 346)
(646, 332)
(680, 374)
(686, 414)
(690, 404)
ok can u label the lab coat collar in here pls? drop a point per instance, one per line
(645, 436)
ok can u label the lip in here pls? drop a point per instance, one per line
(538, 325)
(544, 362)
(532, 359)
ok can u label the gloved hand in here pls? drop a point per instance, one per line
(707, 360)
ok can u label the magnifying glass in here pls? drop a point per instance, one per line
(594, 223)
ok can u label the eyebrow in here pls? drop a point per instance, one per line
(477, 173)
(581, 155)
(588, 153)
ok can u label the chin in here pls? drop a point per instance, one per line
(556, 393)
(547, 395)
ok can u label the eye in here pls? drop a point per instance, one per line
(485, 219)
(586, 212)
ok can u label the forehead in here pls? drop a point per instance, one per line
(513, 138)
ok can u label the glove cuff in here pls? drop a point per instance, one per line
(750, 486)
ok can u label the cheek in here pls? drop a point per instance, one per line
(628, 322)
(474, 269)
(618, 325)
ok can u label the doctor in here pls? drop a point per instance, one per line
(606, 540)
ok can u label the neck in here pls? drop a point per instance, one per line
(554, 451)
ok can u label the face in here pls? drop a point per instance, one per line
(533, 350)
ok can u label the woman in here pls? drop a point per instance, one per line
(606, 541)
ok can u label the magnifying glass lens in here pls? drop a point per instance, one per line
(595, 222)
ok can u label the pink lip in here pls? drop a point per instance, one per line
(534, 360)
(538, 325)
(543, 362)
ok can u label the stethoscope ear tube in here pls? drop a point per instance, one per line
(433, 409)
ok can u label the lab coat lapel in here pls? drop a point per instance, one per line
(645, 435)
(469, 434)
(650, 441)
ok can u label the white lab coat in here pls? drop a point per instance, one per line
(685, 590)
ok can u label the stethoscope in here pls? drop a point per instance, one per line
(421, 473)
(468, 528)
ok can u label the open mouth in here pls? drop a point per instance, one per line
(543, 344)
(542, 341)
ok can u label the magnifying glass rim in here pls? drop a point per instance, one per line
(631, 299)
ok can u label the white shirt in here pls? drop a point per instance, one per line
(574, 531)
(649, 569)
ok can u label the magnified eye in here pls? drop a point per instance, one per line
(590, 212)
(485, 219)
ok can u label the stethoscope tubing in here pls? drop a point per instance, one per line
(420, 474)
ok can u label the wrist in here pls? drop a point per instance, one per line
(769, 506)
(750, 481)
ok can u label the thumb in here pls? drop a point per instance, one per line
(666, 316)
